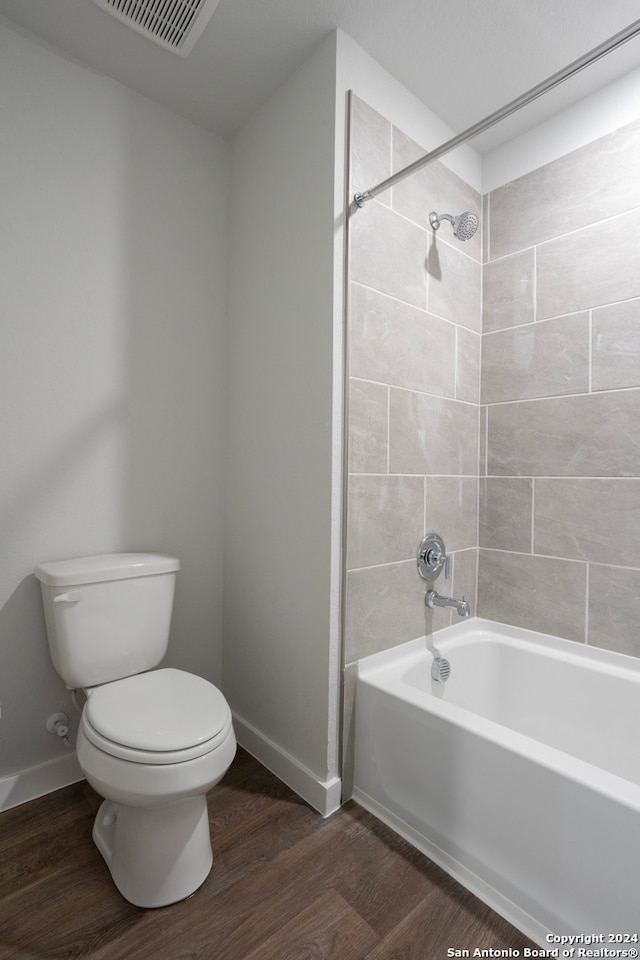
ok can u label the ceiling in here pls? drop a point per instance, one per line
(462, 58)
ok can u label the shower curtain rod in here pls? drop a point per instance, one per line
(553, 81)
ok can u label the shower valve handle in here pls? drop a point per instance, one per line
(435, 559)
(432, 557)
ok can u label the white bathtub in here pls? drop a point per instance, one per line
(520, 775)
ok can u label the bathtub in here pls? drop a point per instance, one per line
(520, 775)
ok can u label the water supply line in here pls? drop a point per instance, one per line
(607, 46)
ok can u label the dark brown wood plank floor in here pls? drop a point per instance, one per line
(285, 884)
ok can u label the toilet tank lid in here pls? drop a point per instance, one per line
(111, 566)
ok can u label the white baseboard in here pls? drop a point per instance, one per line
(323, 795)
(37, 781)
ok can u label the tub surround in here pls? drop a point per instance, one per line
(526, 454)
(413, 398)
(560, 468)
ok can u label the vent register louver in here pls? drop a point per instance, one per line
(175, 25)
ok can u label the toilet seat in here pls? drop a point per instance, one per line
(160, 717)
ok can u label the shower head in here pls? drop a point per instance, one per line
(464, 226)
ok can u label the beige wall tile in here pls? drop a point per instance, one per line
(589, 268)
(437, 619)
(589, 519)
(388, 253)
(455, 285)
(506, 505)
(614, 609)
(430, 358)
(368, 427)
(452, 510)
(386, 519)
(564, 455)
(508, 292)
(370, 148)
(434, 187)
(482, 464)
(468, 365)
(536, 593)
(396, 343)
(385, 607)
(616, 346)
(432, 434)
(465, 579)
(589, 436)
(587, 185)
(539, 360)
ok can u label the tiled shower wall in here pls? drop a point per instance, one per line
(554, 435)
(413, 399)
(559, 526)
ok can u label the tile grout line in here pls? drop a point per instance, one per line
(586, 604)
(533, 514)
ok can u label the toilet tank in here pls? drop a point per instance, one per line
(107, 617)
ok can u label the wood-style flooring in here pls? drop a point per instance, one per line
(285, 885)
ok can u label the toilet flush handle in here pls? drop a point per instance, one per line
(71, 597)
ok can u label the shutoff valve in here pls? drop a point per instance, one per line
(58, 724)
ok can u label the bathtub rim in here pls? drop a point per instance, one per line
(462, 632)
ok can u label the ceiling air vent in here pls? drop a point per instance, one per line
(175, 25)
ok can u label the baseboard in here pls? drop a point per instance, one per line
(323, 795)
(37, 781)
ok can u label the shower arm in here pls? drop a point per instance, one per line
(553, 81)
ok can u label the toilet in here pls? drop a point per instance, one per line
(152, 742)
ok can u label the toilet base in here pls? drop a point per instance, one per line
(156, 855)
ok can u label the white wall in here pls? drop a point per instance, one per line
(113, 254)
(279, 663)
(357, 71)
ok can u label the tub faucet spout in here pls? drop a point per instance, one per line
(433, 599)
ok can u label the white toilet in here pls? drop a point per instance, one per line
(152, 742)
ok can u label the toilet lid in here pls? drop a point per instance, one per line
(162, 711)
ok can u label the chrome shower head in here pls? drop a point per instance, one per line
(464, 226)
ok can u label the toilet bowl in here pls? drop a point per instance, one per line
(151, 792)
(151, 742)
(153, 827)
